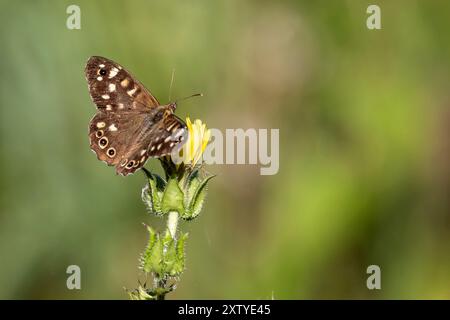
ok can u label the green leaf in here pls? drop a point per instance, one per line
(178, 266)
(151, 260)
(140, 294)
(152, 193)
(172, 199)
(191, 185)
(169, 254)
(197, 199)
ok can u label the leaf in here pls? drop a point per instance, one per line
(172, 199)
(196, 202)
(179, 264)
(140, 294)
(169, 254)
(152, 193)
(153, 254)
(191, 185)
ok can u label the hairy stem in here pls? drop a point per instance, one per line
(160, 283)
(160, 289)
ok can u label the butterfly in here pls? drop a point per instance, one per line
(130, 125)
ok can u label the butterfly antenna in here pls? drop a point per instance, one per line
(191, 96)
(171, 83)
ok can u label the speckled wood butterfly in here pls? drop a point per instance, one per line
(130, 125)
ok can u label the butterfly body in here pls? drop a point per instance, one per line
(130, 125)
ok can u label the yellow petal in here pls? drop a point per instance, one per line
(197, 140)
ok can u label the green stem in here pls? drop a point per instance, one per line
(160, 282)
(160, 289)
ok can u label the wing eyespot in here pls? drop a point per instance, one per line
(111, 152)
(103, 142)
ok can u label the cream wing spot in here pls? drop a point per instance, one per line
(123, 162)
(112, 87)
(99, 78)
(113, 72)
(105, 96)
(132, 91)
(112, 127)
(170, 127)
(143, 152)
(101, 124)
(108, 107)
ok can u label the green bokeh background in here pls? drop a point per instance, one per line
(364, 123)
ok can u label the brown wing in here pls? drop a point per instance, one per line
(162, 139)
(112, 88)
(128, 140)
(111, 134)
(130, 126)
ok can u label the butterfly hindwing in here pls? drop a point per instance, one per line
(128, 141)
(110, 134)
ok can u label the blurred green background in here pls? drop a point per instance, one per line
(364, 123)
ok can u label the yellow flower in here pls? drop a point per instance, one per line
(196, 143)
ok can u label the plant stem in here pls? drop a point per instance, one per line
(172, 223)
(161, 289)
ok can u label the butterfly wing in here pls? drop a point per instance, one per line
(112, 88)
(161, 139)
(170, 133)
(127, 140)
(112, 133)
(130, 125)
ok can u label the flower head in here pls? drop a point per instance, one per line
(197, 141)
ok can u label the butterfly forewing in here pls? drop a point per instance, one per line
(113, 88)
(167, 136)
(130, 125)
